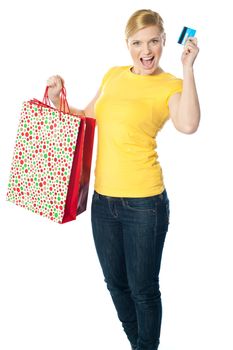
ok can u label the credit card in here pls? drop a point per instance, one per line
(186, 33)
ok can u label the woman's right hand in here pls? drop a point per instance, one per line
(55, 84)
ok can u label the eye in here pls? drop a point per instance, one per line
(155, 41)
(136, 43)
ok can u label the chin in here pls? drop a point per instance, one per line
(140, 69)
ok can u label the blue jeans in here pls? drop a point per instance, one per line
(129, 235)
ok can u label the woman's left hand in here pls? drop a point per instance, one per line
(190, 52)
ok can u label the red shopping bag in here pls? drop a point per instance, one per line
(51, 164)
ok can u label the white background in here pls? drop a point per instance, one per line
(52, 293)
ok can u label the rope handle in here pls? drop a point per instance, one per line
(63, 99)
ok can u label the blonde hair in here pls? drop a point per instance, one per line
(141, 19)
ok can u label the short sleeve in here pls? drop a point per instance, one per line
(175, 86)
(107, 76)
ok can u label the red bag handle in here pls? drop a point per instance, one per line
(63, 99)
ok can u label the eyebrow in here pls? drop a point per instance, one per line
(156, 37)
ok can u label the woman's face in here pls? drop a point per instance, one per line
(145, 47)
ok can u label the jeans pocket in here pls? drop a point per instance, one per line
(141, 204)
(163, 215)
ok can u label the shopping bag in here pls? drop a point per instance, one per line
(51, 164)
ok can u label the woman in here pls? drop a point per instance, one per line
(130, 207)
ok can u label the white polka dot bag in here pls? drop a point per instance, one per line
(52, 157)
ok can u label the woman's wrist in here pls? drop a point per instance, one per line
(55, 101)
(187, 69)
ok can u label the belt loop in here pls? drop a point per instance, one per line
(161, 196)
(124, 201)
(97, 194)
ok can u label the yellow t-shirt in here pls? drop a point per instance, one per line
(130, 111)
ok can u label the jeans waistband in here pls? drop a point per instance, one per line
(162, 196)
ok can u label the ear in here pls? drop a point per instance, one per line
(127, 44)
(164, 39)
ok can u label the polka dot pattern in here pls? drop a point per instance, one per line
(42, 160)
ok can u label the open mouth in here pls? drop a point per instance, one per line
(147, 62)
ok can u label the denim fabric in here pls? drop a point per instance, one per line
(129, 235)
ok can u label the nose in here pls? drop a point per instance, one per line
(146, 49)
